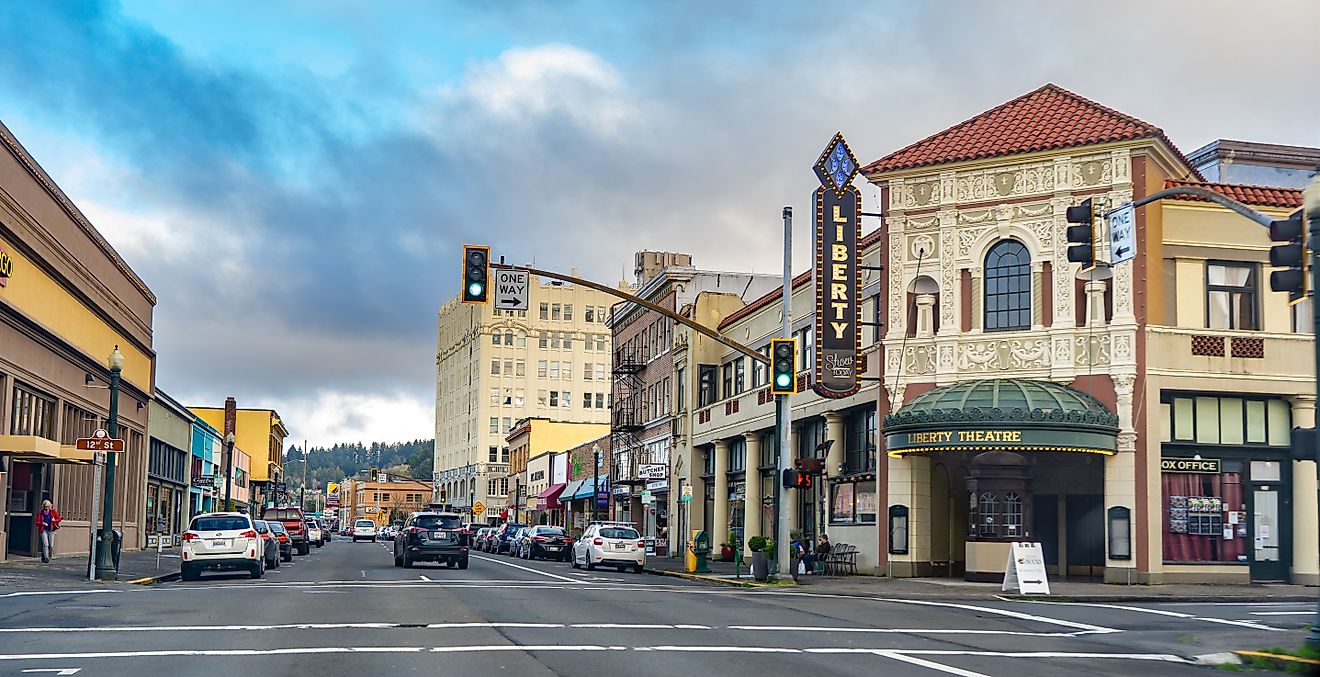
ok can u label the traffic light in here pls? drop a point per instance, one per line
(1291, 255)
(797, 479)
(783, 366)
(373, 474)
(476, 271)
(1081, 237)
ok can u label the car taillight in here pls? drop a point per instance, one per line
(598, 542)
(539, 539)
(248, 534)
(641, 544)
(190, 536)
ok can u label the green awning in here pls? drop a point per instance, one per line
(1014, 415)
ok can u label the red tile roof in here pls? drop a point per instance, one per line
(1046, 119)
(1261, 196)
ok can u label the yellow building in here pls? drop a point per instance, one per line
(259, 432)
(530, 441)
(494, 368)
(381, 502)
(67, 301)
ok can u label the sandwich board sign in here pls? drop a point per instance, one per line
(1026, 570)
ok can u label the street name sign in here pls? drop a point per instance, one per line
(1026, 570)
(1122, 234)
(511, 289)
(478, 508)
(652, 471)
(99, 441)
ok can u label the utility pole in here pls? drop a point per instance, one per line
(105, 560)
(783, 412)
(302, 493)
(595, 480)
(1311, 212)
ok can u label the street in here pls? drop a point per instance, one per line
(346, 610)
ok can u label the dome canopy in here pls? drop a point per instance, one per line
(1002, 414)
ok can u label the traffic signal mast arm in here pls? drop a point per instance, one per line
(707, 331)
(1210, 195)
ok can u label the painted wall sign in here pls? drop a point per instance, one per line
(838, 283)
(6, 267)
(1198, 465)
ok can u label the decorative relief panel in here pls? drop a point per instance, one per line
(923, 194)
(923, 222)
(1092, 351)
(966, 238)
(1033, 210)
(1001, 183)
(948, 279)
(919, 360)
(976, 216)
(999, 355)
(922, 247)
(1092, 171)
(897, 319)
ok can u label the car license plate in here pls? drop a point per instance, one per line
(220, 543)
(437, 535)
(620, 546)
(552, 548)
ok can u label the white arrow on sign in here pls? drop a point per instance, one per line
(1122, 234)
(511, 289)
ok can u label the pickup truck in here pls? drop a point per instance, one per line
(291, 516)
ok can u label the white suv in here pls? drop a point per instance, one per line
(222, 541)
(364, 530)
(610, 544)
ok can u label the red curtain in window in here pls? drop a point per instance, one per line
(1189, 547)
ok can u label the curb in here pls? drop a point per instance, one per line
(707, 579)
(1281, 661)
(149, 580)
(1174, 599)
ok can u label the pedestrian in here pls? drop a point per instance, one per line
(823, 548)
(48, 522)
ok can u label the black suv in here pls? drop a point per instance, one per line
(431, 537)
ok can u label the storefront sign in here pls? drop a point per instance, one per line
(838, 283)
(538, 476)
(1026, 570)
(6, 267)
(1025, 439)
(660, 485)
(1195, 465)
(203, 481)
(652, 471)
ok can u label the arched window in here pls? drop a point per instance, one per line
(1007, 287)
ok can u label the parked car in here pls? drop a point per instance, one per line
(503, 535)
(222, 541)
(610, 544)
(431, 537)
(545, 542)
(364, 530)
(272, 544)
(516, 542)
(315, 534)
(282, 537)
(482, 540)
(294, 522)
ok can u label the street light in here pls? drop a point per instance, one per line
(229, 469)
(595, 480)
(105, 560)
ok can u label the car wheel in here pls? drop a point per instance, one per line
(568, 557)
(590, 565)
(257, 571)
(572, 561)
(407, 561)
(639, 569)
(288, 557)
(189, 573)
(319, 544)
(621, 569)
(462, 563)
(304, 548)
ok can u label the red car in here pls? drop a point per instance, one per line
(291, 516)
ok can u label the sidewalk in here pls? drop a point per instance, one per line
(955, 588)
(134, 565)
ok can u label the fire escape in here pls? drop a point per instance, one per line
(626, 419)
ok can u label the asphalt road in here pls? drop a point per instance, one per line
(346, 610)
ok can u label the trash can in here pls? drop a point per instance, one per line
(116, 544)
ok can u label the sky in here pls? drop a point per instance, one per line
(294, 180)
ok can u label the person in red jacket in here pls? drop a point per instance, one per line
(48, 522)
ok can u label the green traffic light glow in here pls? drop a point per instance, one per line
(783, 380)
(474, 289)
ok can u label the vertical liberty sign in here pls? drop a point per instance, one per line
(838, 283)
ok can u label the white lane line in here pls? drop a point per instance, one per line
(1162, 657)
(516, 625)
(56, 592)
(424, 578)
(635, 626)
(966, 607)
(56, 671)
(915, 631)
(1254, 625)
(520, 647)
(213, 652)
(719, 649)
(528, 569)
(932, 665)
(1282, 613)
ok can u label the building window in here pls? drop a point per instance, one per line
(1225, 420)
(760, 375)
(680, 382)
(586, 371)
(495, 397)
(600, 400)
(519, 396)
(522, 339)
(568, 312)
(554, 312)
(554, 369)
(728, 379)
(600, 342)
(589, 314)
(586, 400)
(545, 311)
(1007, 287)
(567, 400)
(600, 371)
(738, 455)
(542, 340)
(1231, 295)
(567, 371)
(600, 314)
(739, 375)
(507, 426)
(495, 367)
(1302, 320)
(541, 368)
(706, 388)
(493, 454)
(853, 503)
(520, 368)
(554, 398)
(1205, 516)
(860, 442)
(495, 425)
(709, 461)
(541, 398)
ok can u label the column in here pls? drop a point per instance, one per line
(752, 499)
(834, 433)
(719, 523)
(925, 315)
(794, 515)
(1095, 303)
(1306, 538)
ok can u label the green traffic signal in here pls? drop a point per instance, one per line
(783, 366)
(476, 271)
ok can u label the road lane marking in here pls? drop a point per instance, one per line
(57, 671)
(165, 653)
(56, 592)
(1254, 625)
(932, 665)
(528, 569)
(953, 605)
(913, 631)
(1282, 613)
(425, 578)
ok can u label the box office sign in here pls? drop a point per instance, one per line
(1190, 465)
(838, 283)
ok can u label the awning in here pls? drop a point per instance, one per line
(567, 494)
(1010, 415)
(548, 499)
(35, 449)
(588, 487)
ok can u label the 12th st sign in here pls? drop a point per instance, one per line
(99, 441)
(511, 289)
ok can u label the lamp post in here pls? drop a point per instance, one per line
(595, 480)
(1311, 211)
(105, 560)
(229, 469)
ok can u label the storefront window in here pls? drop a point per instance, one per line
(1205, 517)
(738, 455)
(853, 503)
(997, 514)
(860, 440)
(1226, 420)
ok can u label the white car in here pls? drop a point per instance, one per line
(314, 534)
(610, 544)
(222, 541)
(364, 530)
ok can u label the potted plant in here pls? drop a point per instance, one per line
(760, 547)
(726, 552)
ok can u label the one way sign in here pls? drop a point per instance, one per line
(1122, 234)
(511, 289)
